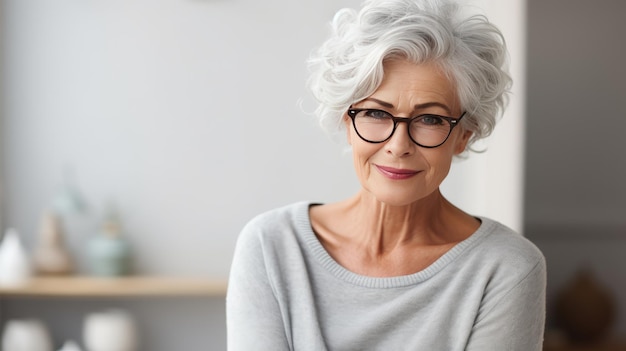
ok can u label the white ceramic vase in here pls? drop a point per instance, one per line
(26, 335)
(15, 266)
(113, 330)
(70, 345)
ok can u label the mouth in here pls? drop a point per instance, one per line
(396, 173)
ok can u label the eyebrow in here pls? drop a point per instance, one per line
(415, 108)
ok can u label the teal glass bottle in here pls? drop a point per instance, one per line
(109, 252)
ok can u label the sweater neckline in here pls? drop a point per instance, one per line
(305, 228)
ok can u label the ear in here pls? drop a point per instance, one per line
(347, 124)
(461, 143)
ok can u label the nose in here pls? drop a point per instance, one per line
(400, 144)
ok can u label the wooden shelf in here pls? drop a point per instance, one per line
(130, 286)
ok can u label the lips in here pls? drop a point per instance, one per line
(396, 173)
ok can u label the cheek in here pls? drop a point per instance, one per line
(362, 153)
(442, 168)
(439, 162)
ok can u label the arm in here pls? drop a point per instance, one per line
(516, 319)
(252, 312)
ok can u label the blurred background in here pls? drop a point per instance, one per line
(575, 198)
(182, 119)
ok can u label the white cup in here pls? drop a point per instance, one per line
(26, 335)
(112, 330)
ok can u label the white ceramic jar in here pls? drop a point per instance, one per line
(26, 335)
(112, 330)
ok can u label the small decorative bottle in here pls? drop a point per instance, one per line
(50, 255)
(109, 252)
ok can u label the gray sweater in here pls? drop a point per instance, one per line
(286, 293)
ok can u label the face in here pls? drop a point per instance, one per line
(398, 171)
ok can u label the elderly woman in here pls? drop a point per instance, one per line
(396, 267)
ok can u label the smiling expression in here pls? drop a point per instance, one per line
(399, 172)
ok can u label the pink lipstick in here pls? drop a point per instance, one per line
(396, 173)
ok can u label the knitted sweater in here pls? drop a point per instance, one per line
(287, 293)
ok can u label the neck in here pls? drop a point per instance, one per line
(381, 228)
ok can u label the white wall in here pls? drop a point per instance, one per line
(185, 114)
(492, 183)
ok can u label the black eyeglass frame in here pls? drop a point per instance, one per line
(352, 112)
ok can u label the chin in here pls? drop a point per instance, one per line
(403, 195)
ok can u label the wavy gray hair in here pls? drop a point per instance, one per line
(348, 67)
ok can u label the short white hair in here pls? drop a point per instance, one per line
(348, 67)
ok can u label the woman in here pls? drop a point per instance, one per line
(413, 83)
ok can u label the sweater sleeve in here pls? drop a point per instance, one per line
(253, 314)
(515, 319)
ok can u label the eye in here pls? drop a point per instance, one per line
(430, 120)
(375, 114)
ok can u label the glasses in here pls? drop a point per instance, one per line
(377, 126)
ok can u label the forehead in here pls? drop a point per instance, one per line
(408, 84)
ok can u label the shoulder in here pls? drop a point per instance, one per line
(504, 260)
(510, 272)
(502, 244)
(289, 216)
(269, 247)
(274, 227)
